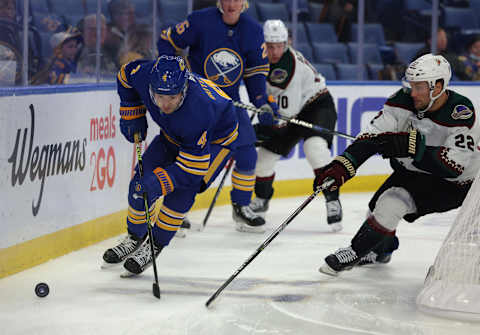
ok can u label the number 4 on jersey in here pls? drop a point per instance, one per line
(203, 139)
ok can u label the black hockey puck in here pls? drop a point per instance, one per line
(42, 290)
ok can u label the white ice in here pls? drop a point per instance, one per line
(280, 292)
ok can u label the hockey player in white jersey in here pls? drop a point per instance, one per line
(301, 93)
(431, 136)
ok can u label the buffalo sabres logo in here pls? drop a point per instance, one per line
(461, 112)
(278, 76)
(223, 66)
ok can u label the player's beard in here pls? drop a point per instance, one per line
(420, 105)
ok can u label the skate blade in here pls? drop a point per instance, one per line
(335, 227)
(127, 274)
(325, 269)
(106, 265)
(243, 228)
(181, 233)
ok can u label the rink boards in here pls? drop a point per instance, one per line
(65, 167)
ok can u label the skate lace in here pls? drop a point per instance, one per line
(333, 208)
(126, 246)
(346, 255)
(143, 255)
(371, 257)
(248, 213)
(257, 203)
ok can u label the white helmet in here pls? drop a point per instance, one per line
(429, 68)
(245, 6)
(275, 31)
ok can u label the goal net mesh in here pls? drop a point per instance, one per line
(452, 285)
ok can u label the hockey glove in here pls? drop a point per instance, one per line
(130, 127)
(155, 183)
(269, 112)
(133, 120)
(340, 170)
(402, 144)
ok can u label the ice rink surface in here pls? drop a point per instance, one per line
(280, 292)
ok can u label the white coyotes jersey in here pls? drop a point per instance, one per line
(454, 128)
(292, 82)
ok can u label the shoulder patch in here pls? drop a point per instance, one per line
(278, 76)
(461, 112)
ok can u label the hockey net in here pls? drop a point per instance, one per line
(452, 285)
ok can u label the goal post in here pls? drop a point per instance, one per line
(452, 285)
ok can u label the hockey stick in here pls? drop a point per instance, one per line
(217, 193)
(277, 231)
(297, 122)
(155, 287)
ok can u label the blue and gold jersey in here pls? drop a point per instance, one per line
(222, 53)
(206, 116)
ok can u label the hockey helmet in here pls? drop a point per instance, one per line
(245, 6)
(429, 68)
(168, 75)
(275, 31)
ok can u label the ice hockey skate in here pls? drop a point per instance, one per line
(334, 215)
(246, 220)
(343, 259)
(140, 259)
(184, 227)
(121, 251)
(259, 206)
(373, 258)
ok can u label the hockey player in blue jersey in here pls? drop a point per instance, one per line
(226, 46)
(199, 128)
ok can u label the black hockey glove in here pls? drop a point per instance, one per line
(402, 144)
(340, 170)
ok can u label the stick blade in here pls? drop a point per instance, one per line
(156, 290)
(212, 302)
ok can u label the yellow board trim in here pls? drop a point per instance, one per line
(39, 250)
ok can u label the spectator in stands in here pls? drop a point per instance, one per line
(471, 59)
(456, 3)
(66, 48)
(200, 4)
(10, 45)
(122, 13)
(87, 59)
(458, 67)
(341, 13)
(138, 44)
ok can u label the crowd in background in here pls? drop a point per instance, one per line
(62, 48)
